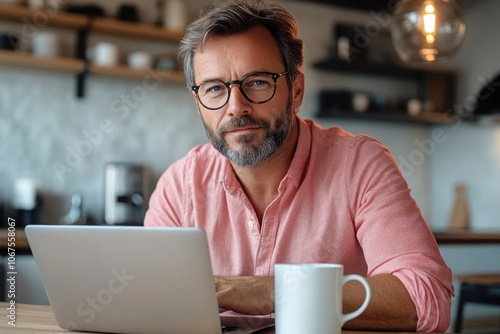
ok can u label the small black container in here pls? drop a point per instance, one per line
(91, 10)
(334, 102)
(8, 41)
(128, 13)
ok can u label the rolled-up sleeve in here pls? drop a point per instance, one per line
(432, 298)
(395, 238)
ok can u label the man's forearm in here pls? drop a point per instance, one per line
(390, 308)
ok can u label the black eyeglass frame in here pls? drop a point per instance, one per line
(274, 76)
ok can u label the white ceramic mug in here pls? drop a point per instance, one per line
(308, 298)
(140, 60)
(360, 102)
(103, 54)
(46, 44)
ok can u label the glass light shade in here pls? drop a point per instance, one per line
(427, 30)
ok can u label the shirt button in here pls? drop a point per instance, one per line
(250, 223)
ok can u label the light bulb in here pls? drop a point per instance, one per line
(429, 20)
(427, 30)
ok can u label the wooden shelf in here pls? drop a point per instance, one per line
(424, 118)
(432, 84)
(138, 30)
(76, 66)
(126, 72)
(27, 60)
(389, 70)
(76, 21)
(54, 19)
(84, 25)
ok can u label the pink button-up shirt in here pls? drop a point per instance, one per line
(343, 201)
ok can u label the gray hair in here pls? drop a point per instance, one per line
(236, 17)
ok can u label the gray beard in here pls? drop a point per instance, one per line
(253, 154)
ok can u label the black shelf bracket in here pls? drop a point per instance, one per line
(81, 49)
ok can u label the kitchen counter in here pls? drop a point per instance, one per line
(21, 242)
(467, 237)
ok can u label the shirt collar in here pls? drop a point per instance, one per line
(297, 169)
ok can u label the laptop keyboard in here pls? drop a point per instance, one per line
(227, 329)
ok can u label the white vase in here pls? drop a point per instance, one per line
(459, 219)
(175, 15)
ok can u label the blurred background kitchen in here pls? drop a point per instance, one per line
(96, 142)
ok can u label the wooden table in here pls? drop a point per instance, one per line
(35, 319)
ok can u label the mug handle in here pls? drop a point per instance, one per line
(362, 308)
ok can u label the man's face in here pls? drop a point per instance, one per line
(245, 132)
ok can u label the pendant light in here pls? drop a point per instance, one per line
(427, 30)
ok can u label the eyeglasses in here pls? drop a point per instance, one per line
(256, 87)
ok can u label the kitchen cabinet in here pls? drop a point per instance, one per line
(83, 25)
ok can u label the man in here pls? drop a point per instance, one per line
(274, 188)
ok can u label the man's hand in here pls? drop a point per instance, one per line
(245, 294)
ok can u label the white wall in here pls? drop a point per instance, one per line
(471, 153)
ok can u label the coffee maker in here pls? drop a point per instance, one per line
(127, 192)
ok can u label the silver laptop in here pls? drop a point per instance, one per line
(119, 279)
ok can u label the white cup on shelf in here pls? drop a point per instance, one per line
(360, 102)
(53, 5)
(140, 60)
(308, 298)
(45, 44)
(103, 54)
(414, 107)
